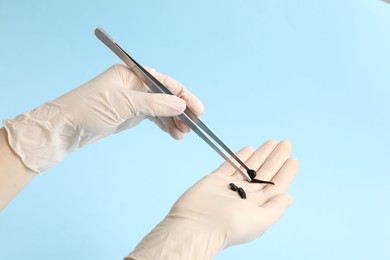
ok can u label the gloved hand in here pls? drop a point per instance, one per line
(111, 102)
(210, 216)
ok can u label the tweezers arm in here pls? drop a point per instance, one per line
(204, 127)
(143, 74)
(188, 117)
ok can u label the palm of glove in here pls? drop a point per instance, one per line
(243, 220)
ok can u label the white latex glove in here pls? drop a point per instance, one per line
(111, 102)
(210, 216)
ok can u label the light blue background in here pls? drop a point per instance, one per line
(314, 72)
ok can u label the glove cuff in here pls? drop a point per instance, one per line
(42, 137)
(179, 237)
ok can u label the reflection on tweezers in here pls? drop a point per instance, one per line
(188, 117)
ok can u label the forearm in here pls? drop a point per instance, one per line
(14, 176)
(111, 102)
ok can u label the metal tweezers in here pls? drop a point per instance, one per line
(188, 117)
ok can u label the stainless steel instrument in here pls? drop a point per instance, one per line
(188, 117)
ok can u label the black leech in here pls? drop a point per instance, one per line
(252, 174)
(242, 193)
(233, 187)
(261, 181)
(240, 190)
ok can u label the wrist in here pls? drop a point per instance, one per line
(180, 237)
(42, 137)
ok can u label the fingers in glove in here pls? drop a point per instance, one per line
(193, 103)
(259, 157)
(168, 124)
(181, 125)
(152, 104)
(226, 169)
(159, 123)
(171, 128)
(283, 180)
(274, 209)
(274, 161)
